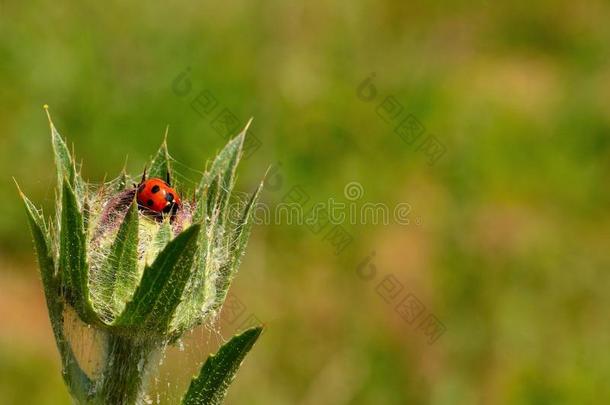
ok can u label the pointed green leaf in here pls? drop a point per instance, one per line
(63, 159)
(200, 286)
(66, 169)
(43, 253)
(210, 387)
(120, 270)
(244, 226)
(73, 256)
(213, 195)
(223, 167)
(74, 376)
(160, 166)
(160, 290)
(65, 164)
(238, 241)
(209, 284)
(226, 161)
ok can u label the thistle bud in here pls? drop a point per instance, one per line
(140, 279)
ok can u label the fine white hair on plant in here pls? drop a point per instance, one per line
(135, 280)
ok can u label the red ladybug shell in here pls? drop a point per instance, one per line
(157, 196)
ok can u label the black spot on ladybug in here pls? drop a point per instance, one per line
(169, 197)
(141, 188)
(150, 203)
(155, 189)
(167, 208)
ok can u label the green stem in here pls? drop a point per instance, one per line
(124, 376)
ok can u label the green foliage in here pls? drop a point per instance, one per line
(160, 289)
(213, 273)
(121, 264)
(63, 161)
(138, 312)
(210, 387)
(221, 175)
(239, 241)
(74, 271)
(74, 376)
(65, 164)
(161, 165)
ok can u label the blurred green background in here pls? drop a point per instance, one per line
(509, 239)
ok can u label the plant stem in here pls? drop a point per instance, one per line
(125, 372)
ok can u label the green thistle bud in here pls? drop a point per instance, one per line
(141, 281)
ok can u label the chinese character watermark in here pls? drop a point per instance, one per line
(405, 125)
(406, 305)
(206, 105)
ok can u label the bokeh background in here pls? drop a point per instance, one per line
(509, 240)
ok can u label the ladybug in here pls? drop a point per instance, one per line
(157, 196)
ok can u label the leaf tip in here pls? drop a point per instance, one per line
(124, 170)
(165, 135)
(194, 229)
(18, 188)
(46, 110)
(248, 125)
(257, 330)
(266, 174)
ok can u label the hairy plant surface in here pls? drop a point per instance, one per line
(140, 281)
